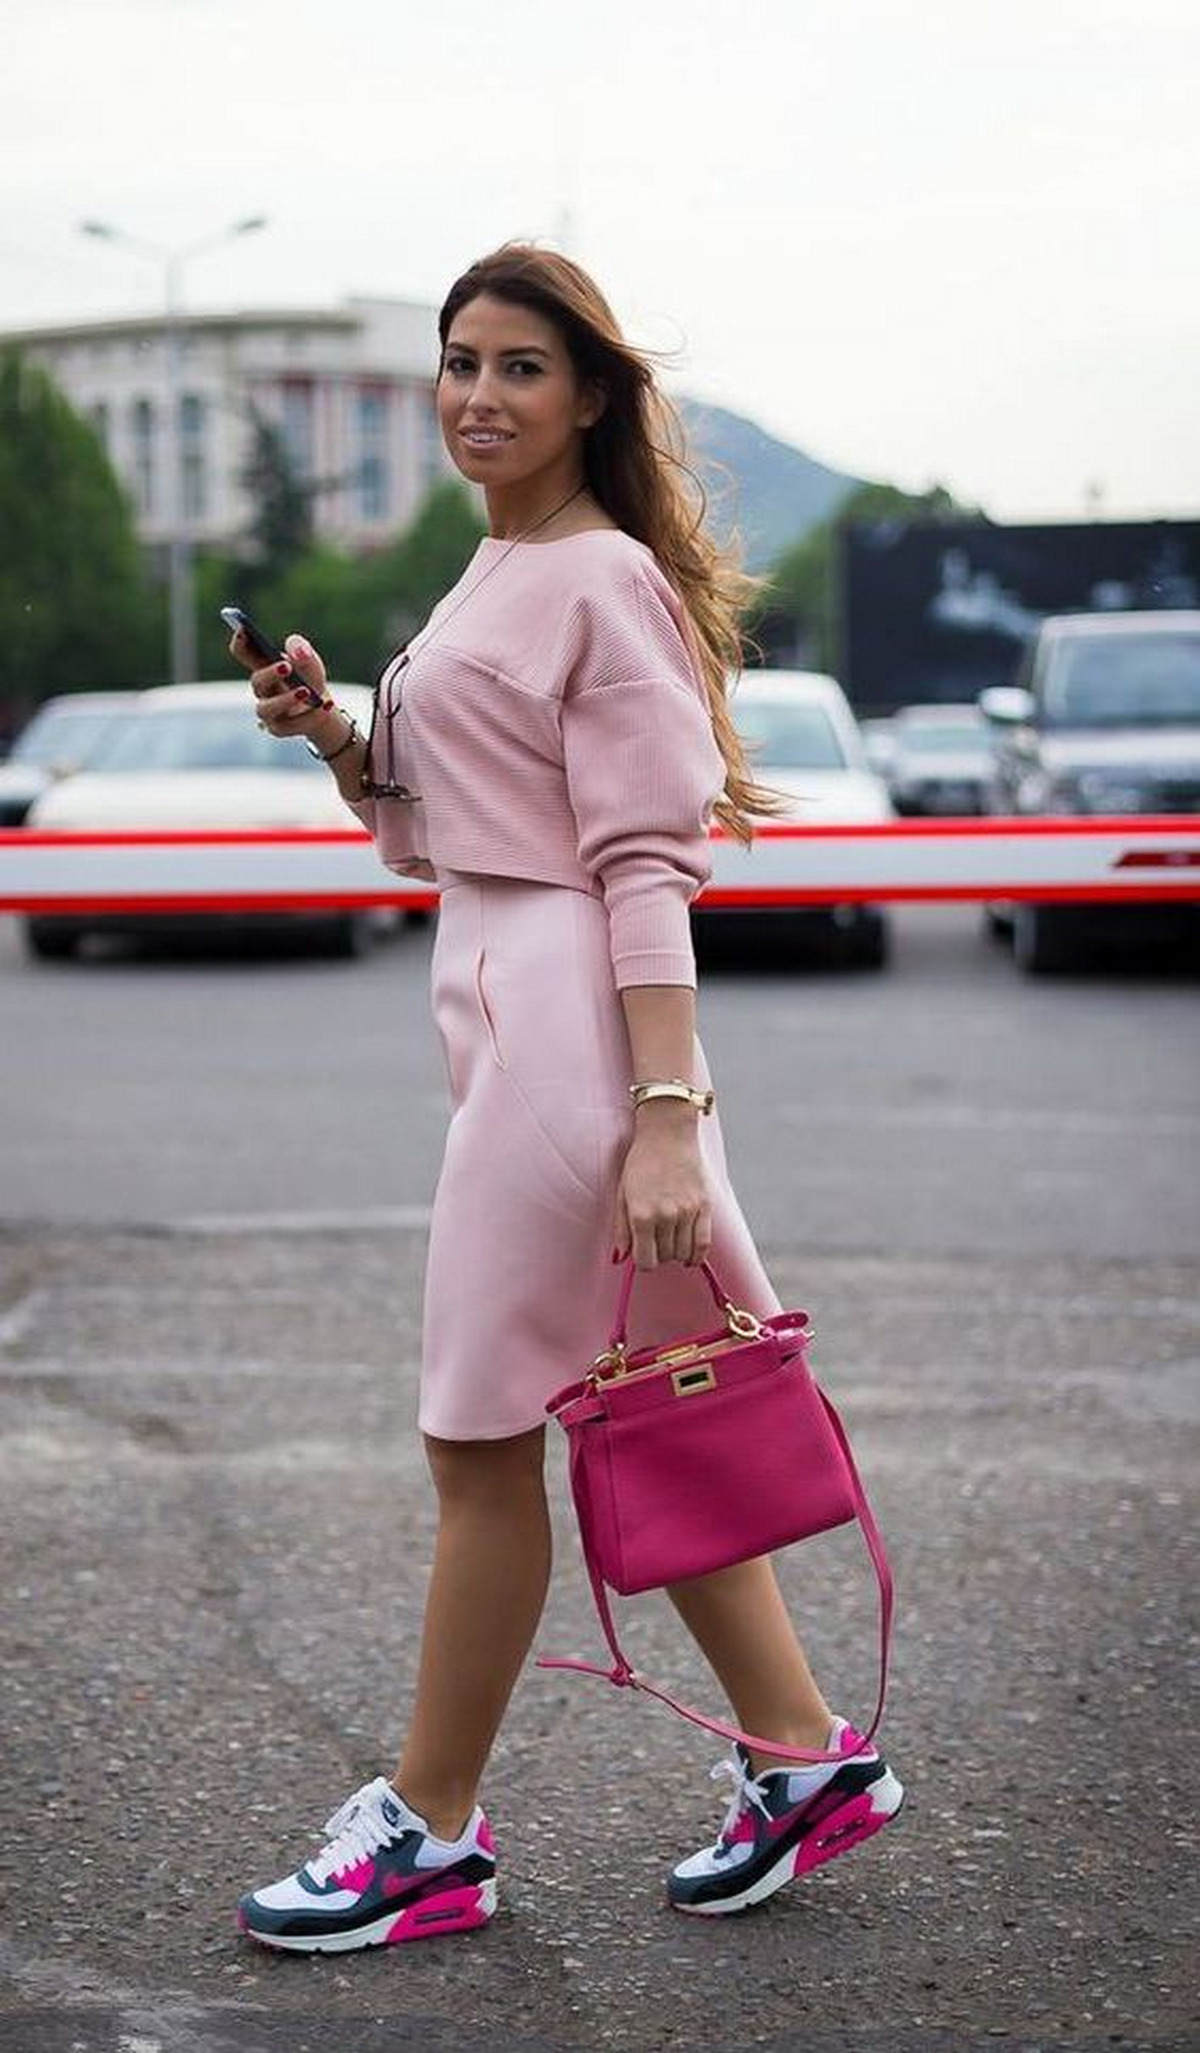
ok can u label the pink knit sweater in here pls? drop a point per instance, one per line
(557, 729)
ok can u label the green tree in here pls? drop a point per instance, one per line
(796, 619)
(282, 527)
(412, 573)
(76, 606)
(323, 594)
(354, 608)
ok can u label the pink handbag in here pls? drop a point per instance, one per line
(708, 1451)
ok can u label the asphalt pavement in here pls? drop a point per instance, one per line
(216, 1528)
(947, 1103)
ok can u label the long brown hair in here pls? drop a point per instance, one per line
(635, 463)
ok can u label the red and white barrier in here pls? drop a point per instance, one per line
(1139, 857)
(1136, 857)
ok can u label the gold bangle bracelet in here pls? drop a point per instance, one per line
(675, 1087)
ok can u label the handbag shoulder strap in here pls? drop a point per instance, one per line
(624, 1675)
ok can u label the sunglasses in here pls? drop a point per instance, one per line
(387, 786)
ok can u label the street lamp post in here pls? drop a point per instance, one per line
(179, 545)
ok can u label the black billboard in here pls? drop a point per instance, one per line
(931, 611)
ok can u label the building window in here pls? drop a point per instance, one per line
(296, 424)
(98, 416)
(193, 419)
(142, 423)
(372, 455)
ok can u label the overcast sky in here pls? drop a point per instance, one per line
(952, 240)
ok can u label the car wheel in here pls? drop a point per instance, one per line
(50, 941)
(1040, 944)
(868, 945)
(997, 925)
(351, 937)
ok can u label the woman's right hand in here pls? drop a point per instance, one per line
(281, 709)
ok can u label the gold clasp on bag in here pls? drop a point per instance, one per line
(689, 1382)
(613, 1362)
(614, 1359)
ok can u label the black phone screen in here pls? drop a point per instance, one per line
(235, 618)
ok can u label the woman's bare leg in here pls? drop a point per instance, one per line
(739, 1620)
(491, 1569)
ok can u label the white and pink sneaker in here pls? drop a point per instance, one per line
(784, 1822)
(381, 1878)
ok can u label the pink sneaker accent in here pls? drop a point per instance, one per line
(403, 1885)
(844, 1826)
(457, 1910)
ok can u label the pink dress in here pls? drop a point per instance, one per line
(532, 952)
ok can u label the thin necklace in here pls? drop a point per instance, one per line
(389, 788)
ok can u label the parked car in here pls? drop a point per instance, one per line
(1104, 718)
(192, 756)
(879, 741)
(941, 760)
(805, 741)
(58, 739)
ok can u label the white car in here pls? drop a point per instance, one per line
(193, 756)
(806, 742)
(60, 738)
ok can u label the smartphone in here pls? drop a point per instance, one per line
(261, 645)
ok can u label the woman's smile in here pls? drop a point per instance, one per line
(484, 438)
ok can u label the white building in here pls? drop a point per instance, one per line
(351, 391)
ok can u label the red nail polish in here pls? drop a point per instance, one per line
(283, 669)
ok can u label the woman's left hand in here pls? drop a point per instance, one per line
(663, 1212)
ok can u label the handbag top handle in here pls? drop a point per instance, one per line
(617, 1338)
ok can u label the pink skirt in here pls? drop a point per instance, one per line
(520, 1288)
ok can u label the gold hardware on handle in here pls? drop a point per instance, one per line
(613, 1358)
(688, 1382)
(741, 1325)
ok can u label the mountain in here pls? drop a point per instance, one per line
(777, 492)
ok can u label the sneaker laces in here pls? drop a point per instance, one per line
(747, 1789)
(356, 1830)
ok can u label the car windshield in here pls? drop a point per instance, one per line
(64, 734)
(940, 737)
(199, 738)
(792, 737)
(1141, 680)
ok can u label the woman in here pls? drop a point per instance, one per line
(550, 750)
